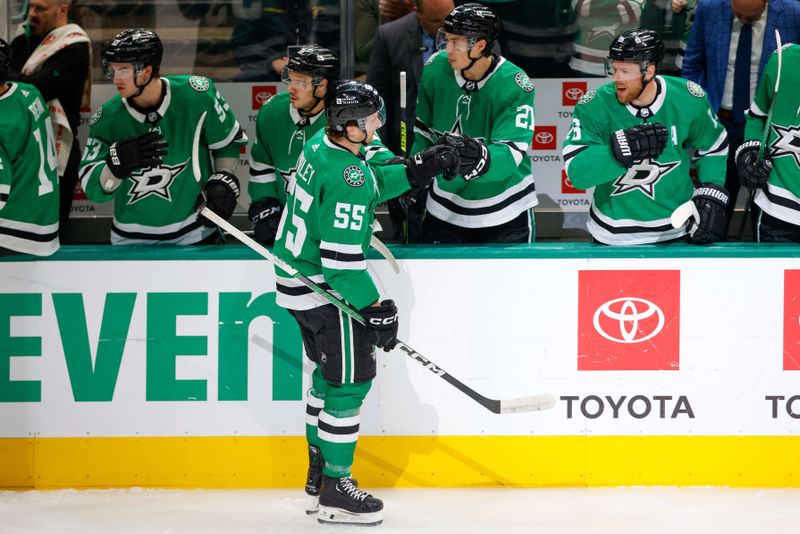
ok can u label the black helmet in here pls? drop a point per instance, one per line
(639, 46)
(316, 61)
(352, 100)
(5, 59)
(137, 46)
(474, 21)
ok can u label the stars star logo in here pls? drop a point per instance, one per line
(154, 181)
(786, 142)
(643, 176)
(610, 31)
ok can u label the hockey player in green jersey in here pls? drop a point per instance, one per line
(283, 125)
(324, 233)
(630, 140)
(776, 175)
(487, 102)
(29, 194)
(148, 148)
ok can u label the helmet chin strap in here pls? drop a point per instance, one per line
(141, 87)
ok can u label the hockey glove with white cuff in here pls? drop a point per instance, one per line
(142, 151)
(753, 172)
(473, 154)
(266, 216)
(221, 192)
(382, 322)
(422, 167)
(643, 141)
(711, 201)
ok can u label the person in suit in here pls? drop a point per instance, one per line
(729, 46)
(404, 44)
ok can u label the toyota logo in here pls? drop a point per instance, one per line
(544, 138)
(263, 96)
(573, 93)
(628, 313)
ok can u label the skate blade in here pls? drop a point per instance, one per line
(337, 516)
(312, 504)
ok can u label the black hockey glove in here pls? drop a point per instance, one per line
(143, 151)
(643, 141)
(221, 192)
(711, 200)
(423, 167)
(473, 154)
(266, 216)
(753, 173)
(383, 323)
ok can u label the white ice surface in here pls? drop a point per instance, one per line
(556, 511)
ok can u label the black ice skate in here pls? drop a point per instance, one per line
(341, 501)
(314, 479)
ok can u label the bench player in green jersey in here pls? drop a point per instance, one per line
(630, 140)
(324, 233)
(776, 176)
(488, 101)
(29, 194)
(283, 125)
(150, 148)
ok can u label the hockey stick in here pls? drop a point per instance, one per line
(523, 404)
(196, 166)
(765, 134)
(403, 145)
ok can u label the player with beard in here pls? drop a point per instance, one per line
(630, 140)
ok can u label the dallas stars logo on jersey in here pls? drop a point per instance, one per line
(643, 176)
(786, 142)
(154, 181)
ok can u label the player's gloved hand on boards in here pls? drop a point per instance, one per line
(382, 321)
(265, 215)
(142, 151)
(643, 141)
(222, 190)
(422, 167)
(473, 153)
(711, 201)
(753, 173)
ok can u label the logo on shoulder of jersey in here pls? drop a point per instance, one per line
(585, 99)
(430, 59)
(199, 83)
(96, 115)
(695, 89)
(523, 81)
(154, 181)
(354, 176)
(644, 175)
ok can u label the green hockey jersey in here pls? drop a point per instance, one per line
(327, 222)
(29, 193)
(497, 110)
(599, 22)
(159, 205)
(633, 206)
(781, 198)
(281, 133)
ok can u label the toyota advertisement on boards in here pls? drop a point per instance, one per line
(625, 346)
